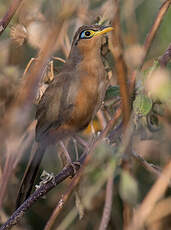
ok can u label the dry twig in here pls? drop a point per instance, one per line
(17, 215)
(120, 64)
(12, 128)
(109, 191)
(22, 107)
(108, 204)
(166, 57)
(78, 177)
(9, 14)
(85, 158)
(150, 37)
(156, 192)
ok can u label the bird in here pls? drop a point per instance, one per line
(71, 100)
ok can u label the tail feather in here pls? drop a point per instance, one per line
(30, 175)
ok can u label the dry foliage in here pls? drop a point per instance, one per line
(124, 177)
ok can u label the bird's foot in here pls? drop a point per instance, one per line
(75, 167)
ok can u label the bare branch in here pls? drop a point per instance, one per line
(108, 204)
(17, 215)
(165, 58)
(120, 64)
(9, 14)
(65, 173)
(78, 177)
(150, 37)
(156, 192)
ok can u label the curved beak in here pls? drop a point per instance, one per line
(104, 30)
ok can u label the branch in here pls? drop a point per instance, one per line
(120, 65)
(44, 189)
(9, 14)
(156, 192)
(65, 173)
(150, 37)
(78, 177)
(109, 194)
(108, 204)
(166, 57)
(22, 106)
(21, 144)
(156, 170)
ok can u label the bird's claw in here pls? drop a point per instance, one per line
(75, 166)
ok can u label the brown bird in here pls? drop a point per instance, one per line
(71, 100)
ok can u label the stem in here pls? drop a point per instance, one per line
(9, 14)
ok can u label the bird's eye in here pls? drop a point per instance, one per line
(87, 34)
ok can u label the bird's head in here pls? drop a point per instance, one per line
(89, 38)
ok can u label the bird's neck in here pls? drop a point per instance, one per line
(77, 56)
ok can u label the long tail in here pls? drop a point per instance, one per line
(30, 175)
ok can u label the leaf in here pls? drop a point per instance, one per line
(128, 188)
(79, 205)
(142, 105)
(112, 91)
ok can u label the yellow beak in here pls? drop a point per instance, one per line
(103, 31)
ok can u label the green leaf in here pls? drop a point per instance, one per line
(128, 188)
(112, 91)
(142, 105)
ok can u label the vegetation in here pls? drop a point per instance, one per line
(124, 177)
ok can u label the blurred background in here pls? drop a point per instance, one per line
(21, 41)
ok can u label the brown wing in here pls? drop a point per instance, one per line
(52, 110)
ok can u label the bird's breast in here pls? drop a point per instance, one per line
(88, 97)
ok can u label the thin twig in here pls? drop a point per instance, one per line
(76, 179)
(160, 211)
(17, 215)
(156, 170)
(122, 72)
(65, 173)
(9, 14)
(120, 64)
(156, 192)
(108, 204)
(22, 107)
(166, 57)
(109, 190)
(12, 160)
(150, 37)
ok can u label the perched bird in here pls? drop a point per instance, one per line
(71, 100)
